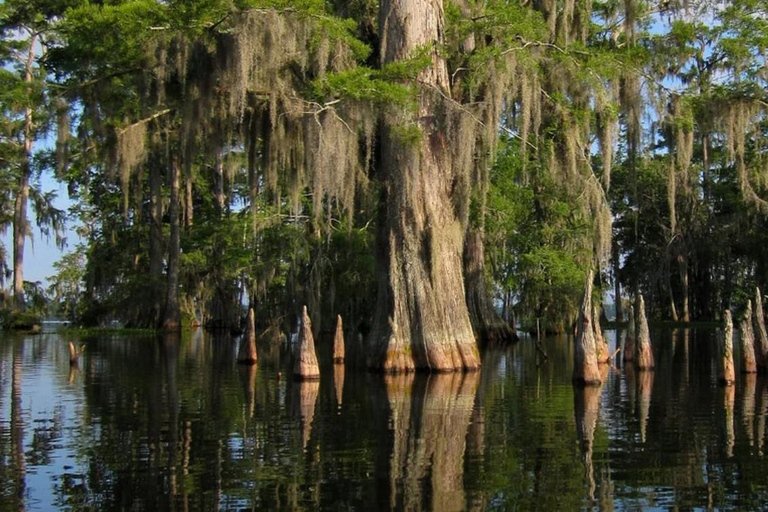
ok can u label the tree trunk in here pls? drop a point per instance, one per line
(727, 372)
(644, 350)
(748, 342)
(421, 319)
(761, 335)
(20, 222)
(172, 317)
(247, 352)
(306, 367)
(488, 326)
(339, 352)
(585, 369)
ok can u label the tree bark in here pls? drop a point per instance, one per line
(488, 326)
(247, 352)
(20, 221)
(339, 352)
(421, 319)
(748, 342)
(172, 317)
(585, 369)
(761, 336)
(727, 372)
(644, 357)
(306, 367)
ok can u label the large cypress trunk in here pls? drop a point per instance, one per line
(421, 319)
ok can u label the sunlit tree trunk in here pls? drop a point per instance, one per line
(20, 221)
(421, 318)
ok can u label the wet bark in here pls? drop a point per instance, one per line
(421, 318)
(749, 364)
(487, 325)
(306, 367)
(338, 342)
(644, 357)
(727, 372)
(172, 315)
(585, 369)
(247, 353)
(761, 336)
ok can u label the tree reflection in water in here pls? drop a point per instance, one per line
(430, 419)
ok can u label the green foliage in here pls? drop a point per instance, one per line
(386, 86)
(535, 241)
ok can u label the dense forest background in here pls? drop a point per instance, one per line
(274, 153)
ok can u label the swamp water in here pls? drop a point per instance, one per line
(147, 424)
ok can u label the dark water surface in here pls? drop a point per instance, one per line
(148, 424)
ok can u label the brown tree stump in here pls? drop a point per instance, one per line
(585, 369)
(727, 371)
(247, 352)
(644, 358)
(338, 342)
(306, 367)
(761, 335)
(747, 342)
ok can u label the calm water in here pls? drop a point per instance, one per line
(148, 424)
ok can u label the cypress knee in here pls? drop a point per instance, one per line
(748, 342)
(585, 369)
(644, 350)
(727, 372)
(601, 345)
(306, 367)
(761, 335)
(338, 342)
(247, 352)
(629, 340)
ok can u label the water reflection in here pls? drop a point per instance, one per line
(175, 424)
(430, 420)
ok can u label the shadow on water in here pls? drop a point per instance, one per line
(176, 424)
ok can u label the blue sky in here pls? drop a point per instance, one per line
(40, 254)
